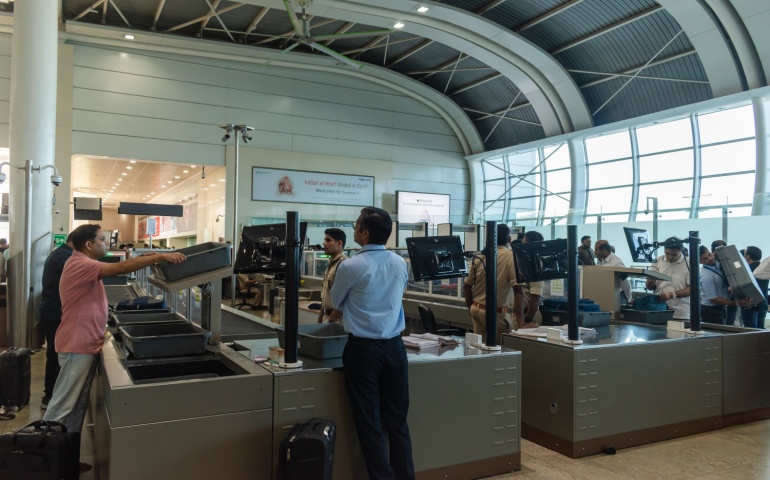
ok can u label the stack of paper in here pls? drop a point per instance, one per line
(443, 340)
(420, 343)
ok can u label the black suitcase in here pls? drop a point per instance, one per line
(40, 451)
(738, 274)
(15, 378)
(307, 452)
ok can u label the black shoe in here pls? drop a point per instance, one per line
(44, 402)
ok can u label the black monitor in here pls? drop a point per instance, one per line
(640, 245)
(263, 248)
(543, 260)
(434, 258)
(114, 238)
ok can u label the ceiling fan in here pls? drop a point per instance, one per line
(302, 36)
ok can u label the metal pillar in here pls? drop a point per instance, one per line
(695, 317)
(32, 133)
(573, 330)
(490, 258)
(293, 260)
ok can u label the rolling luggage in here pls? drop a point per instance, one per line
(307, 452)
(738, 274)
(40, 451)
(15, 378)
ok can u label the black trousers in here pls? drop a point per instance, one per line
(50, 323)
(376, 376)
(713, 314)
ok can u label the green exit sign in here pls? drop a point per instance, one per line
(59, 239)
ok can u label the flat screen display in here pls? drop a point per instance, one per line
(537, 261)
(262, 248)
(414, 207)
(435, 258)
(639, 244)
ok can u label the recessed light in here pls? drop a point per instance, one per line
(422, 9)
(132, 161)
(185, 171)
(170, 181)
(176, 176)
(129, 167)
(221, 179)
(212, 185)
(128, 36)
(162, 186)
(124, 174)
(117, 184)
(120, 179)
(205, 189)
(152, 193)
(193, 166)
(398, 25)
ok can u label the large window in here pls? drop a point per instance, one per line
(711, 156)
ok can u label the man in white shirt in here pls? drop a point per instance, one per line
(676, 292)
(605, 258)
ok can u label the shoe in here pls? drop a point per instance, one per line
(44, 402)
(84, 467)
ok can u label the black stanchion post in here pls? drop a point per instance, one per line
(573, 289)
(490, 261)
(693, 245)
(293, 251)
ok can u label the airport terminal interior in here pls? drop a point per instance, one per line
(239, 133)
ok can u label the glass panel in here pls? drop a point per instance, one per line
(493, 190)
(670, 195)
(732, 212)
(666, 166)
(621, 218)
(675, 215)
(524, 204)
(664, 136)
(526, 159)
(608, 147)
(558, 181)
(493, 168)
(559, 157)
(729, 157)
(555, 206)
(609, 201)
(611, 174)
(726, 125)
(731, 189)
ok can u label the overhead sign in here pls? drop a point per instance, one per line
(414, 207)
(274, 185)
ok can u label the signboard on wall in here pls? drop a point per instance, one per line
(279, 185)
(414, 207)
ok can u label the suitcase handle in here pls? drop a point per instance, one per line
(43, 426)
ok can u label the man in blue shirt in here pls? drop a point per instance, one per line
(713, 290)
(754, 316)
(368, 289)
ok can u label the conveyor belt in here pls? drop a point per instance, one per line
(235, 327)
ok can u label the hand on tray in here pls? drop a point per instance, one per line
(173, 257)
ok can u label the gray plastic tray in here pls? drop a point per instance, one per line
(320, 340)
(200, 259)
(147, 316)
(585, 319)
(151, 340)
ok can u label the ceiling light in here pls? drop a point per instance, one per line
(213, 185)
(124, 174)
(398, 25)
(128, 36)
(129, 167)
(120, 179)
(176, 176)
(221, 179)
(185, 171)
(170, 181)
(193, 166)
(422, 9)
(117, 184)
(162, 186)
(132, 161)
(152, 193)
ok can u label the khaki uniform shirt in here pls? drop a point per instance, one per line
(506, 278)
(328, 282)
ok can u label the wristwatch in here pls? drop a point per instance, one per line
(673, 295)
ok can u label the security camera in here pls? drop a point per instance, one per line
(56, 180)
(225, 137)
(203, 173)
(2, 177)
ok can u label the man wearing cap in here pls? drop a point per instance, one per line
(675, 292)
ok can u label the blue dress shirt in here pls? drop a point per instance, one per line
(712, 284)
(368, 289)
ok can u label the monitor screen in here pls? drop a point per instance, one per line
(414, 207)
(263, 248)
(639, 244)
(536, 261)
(434, 258)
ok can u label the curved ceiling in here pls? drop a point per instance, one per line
(521, 70)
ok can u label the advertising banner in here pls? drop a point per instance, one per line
(414, 207)
(274, 185)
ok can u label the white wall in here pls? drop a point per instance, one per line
(158, 106)
(5, 87)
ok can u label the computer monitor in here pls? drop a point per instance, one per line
(114, 238)
(434, 258)
(263, 248)
(537, 261)
(639, 244)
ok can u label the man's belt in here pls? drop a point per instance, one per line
(484, 307)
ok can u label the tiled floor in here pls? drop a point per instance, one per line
(741, 453)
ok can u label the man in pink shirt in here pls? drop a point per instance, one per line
(80, 336)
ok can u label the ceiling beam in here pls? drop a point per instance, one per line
(467, 69)
(88, 10)
(369, 45)
(545, 16)
(342, 30)
(104, 12)
(115, 6)
(258, 18)
(631, 71)
(205, 21)
(498, 113)
(158, 9)
(648, 77)
(293, 32)
(202, 18)
(476, 83)
(489, 6)
(219, 19)
(450, 63)
(410, 52)
(607, 29)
